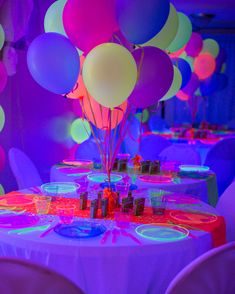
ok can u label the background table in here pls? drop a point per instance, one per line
(204, 188)
(124, 267)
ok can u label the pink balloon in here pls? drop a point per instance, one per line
(99, 115)
(155, 76)
(194, 45)
(89, 23)
(3, 76)
(204, 65)
(182, 96)
(177, 53)
(2, 158)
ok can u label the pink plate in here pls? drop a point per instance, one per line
(156, 179)
(193, 217)
(18, 221)
(16, 200)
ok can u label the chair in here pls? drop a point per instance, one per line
(151, 145)
(211, 273)
(20, 276)
(221, 160)
(226, 207)
(185, 154)
(23, 169)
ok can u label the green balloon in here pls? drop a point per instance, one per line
(2, 118)
(2, 192)
(2, 37)
(53, 20)
(175, 86)
(210, 46)
(80, 130)
(167, 34)
(183, 34)
(144, 115)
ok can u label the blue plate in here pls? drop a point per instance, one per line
(80, 229)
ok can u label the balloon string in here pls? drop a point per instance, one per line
(140, 64)
(92, 131)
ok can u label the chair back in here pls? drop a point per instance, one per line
(221, 160)
(151, 145)
(185, 154)
(226, 207)
(23, 169)
(20, 276)
(211, 273)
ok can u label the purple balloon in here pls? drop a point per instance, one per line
(155, 76)
(220, 59)
(192, 85)
(194, 45)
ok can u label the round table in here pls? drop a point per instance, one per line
(122, 267)
(204, 188)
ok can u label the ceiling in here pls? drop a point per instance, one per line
(223, 11)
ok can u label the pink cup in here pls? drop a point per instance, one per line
(66, 213)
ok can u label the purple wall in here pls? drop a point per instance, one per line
(29, 110)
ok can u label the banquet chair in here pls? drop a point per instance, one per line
(211, 273)
(23, 168)
(221, 160)
(24, 277)
(184, 154)
(151, 145)
(226, 207)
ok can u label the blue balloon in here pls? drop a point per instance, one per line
(140, 20)
(215, 83)
(184, 69)
(53, 62)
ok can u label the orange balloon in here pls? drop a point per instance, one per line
(99, 115)
(181, 95)
(177, 53)
(79, 91)
(204, 65)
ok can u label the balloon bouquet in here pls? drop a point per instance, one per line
(116, 56)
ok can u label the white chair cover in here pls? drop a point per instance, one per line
(22, 277)
(226, 206)
(151, 145)
(221, 160)
(23, 169)
(181, 153)
(211, 273)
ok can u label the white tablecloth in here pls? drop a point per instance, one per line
(205, 189)
(123, 268)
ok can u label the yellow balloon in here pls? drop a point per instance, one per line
(109, 74)
(2, 37)
(175, 86)
(183, 34)
(210, 46)
(167, 34)
(2, 192)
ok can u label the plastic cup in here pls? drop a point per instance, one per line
(123, 188)
(42, 204)
(157, 201)
(66, 213)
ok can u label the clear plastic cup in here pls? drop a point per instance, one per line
(66, 213)
(42, 204)
(157, 201)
